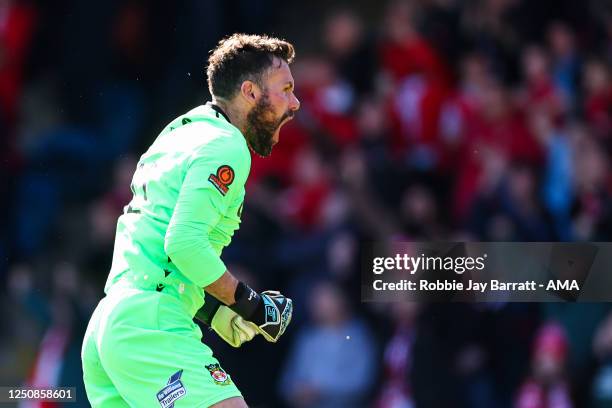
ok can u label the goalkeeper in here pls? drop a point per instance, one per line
(142, 347)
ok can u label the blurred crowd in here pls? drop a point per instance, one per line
(421, 120)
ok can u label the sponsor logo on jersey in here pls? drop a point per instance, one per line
(173, 391)
(223, 178)
(218, 375)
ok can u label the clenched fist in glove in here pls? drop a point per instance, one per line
(225, 322)
(269, 313)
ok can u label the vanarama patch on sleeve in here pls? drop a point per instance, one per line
(223, 178)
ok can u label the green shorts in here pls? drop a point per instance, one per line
(142, 349)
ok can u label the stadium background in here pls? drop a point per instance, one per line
(421, 120)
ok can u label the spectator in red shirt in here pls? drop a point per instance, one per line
(547, 385)
(496, 134)
(598, 98)
(540, 92)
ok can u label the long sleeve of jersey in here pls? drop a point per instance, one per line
(206, 213)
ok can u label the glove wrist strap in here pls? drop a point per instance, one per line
(248, 304)
(208, 311)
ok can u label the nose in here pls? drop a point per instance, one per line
(294, 104)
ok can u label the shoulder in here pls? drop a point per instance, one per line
(224, 146)
(225, 156)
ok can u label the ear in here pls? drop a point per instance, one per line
(250, 92)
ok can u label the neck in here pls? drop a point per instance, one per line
(235, 114)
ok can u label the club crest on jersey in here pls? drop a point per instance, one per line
(218, 375)
(173, 391)
(223, 178)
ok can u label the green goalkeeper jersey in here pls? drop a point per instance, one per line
(188, 193)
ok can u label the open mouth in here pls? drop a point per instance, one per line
(286, 118)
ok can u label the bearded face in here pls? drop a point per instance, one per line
(262, 125)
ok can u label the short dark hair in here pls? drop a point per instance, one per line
(242, 57)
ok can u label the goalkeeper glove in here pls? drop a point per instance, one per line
(269, 313)
(225, 322)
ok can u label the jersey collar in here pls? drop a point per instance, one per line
(218, 111)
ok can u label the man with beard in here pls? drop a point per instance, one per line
(142, 347)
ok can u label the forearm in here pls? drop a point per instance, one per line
(237, 296)
(268, 313)
(224, 288)
(217, 315)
